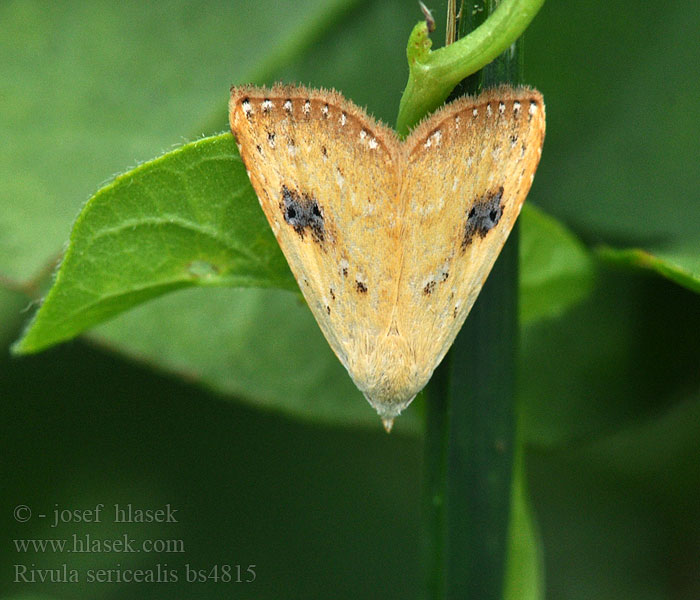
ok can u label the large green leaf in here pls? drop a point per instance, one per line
(556, 269)
(188, 218)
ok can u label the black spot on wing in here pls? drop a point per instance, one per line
(441, 277)
(483, 216)
(303, 213)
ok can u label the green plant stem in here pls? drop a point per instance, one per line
(470, 438)
(434, 74)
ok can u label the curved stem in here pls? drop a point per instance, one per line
(433, 74)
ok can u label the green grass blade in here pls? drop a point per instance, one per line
(471, 442)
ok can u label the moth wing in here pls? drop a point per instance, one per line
(326, 177)
(469, 169)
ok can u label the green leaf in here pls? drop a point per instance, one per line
(679, 265)
(188, 218)
(556, 271)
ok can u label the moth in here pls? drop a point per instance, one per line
(390, 240)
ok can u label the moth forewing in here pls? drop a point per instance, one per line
(389, 241)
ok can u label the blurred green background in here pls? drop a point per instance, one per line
(182, 401)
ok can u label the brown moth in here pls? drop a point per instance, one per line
(390, 241)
